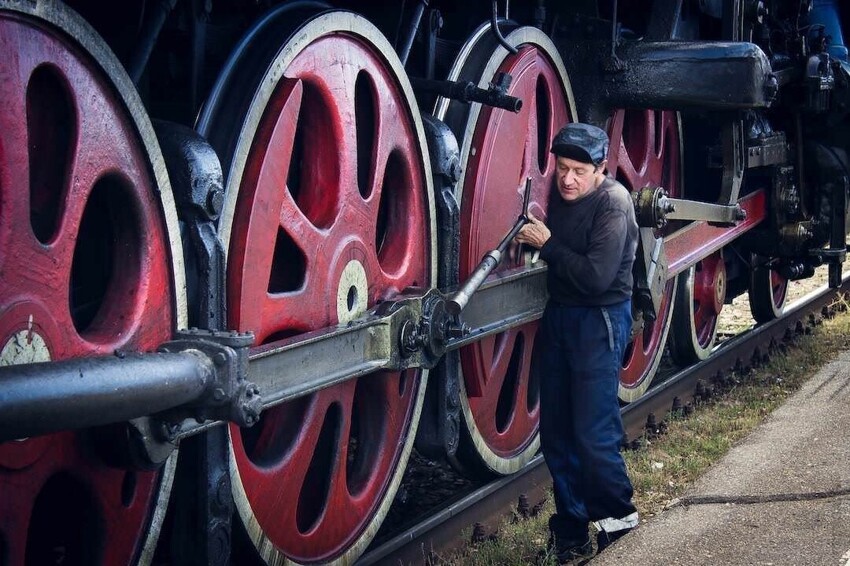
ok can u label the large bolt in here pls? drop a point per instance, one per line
(523, 507)
(677, 406)
(478, 533)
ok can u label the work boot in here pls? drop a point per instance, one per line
(567, 551)
(616, 529)
(605, 539)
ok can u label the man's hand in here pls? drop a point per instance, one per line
(535, 233)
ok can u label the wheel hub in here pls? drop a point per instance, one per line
(352, 292)
(719, 287)
(328, 210)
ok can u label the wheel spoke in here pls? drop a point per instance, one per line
(352, 143)
(502, 150)
(293, 312)
(267, 186)
(84, 248)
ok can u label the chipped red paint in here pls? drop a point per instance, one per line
(310, 500)
(508, 148)
(84, 504)
(645, 151)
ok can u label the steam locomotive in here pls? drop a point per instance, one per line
(241, 242)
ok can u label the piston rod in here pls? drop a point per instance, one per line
(490, 260)
(85, 392)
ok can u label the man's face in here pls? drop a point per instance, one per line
(576, 178)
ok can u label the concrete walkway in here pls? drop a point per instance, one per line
(781, 497)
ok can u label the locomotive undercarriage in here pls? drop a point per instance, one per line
(320, 332)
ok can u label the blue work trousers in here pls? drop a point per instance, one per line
(579, 357)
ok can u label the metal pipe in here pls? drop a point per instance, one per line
(539, 15)
(70, 394)
(614, 31)
(466, 91)
(411, 32)
(150, 33)
(494, 26)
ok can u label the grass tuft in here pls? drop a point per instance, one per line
(665, 466)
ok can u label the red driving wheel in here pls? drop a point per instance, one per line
(328, 212)
(499, 151)
(768, 291)
(85, 269)
(699, 300)
(646, 151)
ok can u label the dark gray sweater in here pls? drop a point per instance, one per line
(592, 248)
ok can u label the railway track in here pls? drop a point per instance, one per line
(479, 511)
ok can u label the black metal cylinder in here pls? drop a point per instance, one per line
(465, 91)
(404, 52)
(149, 35)
(69, 394)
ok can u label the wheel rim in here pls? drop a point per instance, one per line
(646, 151)
(699, 300)
(768, 292)
(318, 249)
(499, 399)
(85, 271)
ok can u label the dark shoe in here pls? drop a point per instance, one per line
(568, 551)
(605, 539)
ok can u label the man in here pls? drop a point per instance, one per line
(589, 242)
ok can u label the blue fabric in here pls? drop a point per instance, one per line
(578, 359)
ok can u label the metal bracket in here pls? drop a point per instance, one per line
(654, 209)
(772, 150)
(196, 177)
(734, 161)
(439, 427)
(203, 509)
(837, 251)
(650, 273)
(226, 396)
(230, 396)
(466, 91)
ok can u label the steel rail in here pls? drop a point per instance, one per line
(440, 532)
